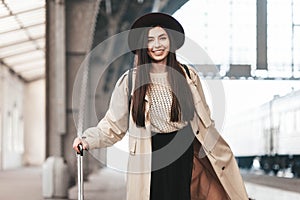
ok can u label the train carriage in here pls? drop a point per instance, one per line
(270, 132)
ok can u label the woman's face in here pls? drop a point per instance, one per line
(158, 44)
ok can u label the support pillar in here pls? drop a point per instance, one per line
(69, 35)
(80, 24)
(55, 77)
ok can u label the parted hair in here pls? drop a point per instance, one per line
(182, 100)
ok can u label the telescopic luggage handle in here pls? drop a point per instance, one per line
(80, 148)
(80, 172)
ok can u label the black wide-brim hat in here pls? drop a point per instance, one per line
(151, 20)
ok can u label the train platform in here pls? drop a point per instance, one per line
(281, 183)
(269, 187)
(107, 184)
(23, 183)
(26, 183)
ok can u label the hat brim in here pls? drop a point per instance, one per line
(152, 20)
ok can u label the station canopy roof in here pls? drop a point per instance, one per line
(22, 37)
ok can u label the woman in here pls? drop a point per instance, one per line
(175, 150)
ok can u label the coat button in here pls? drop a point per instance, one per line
(223, 167)
(197, 132)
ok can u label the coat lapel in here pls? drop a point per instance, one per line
(199, 105)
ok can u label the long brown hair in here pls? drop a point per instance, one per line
(182, 99)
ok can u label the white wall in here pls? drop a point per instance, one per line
(1, 112)
(22, 121)
(35, 123)
(12, 120)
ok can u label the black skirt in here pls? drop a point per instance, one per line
(172, 163)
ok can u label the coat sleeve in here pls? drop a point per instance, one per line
(114, 125)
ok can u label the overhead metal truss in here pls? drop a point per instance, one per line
(22, 38)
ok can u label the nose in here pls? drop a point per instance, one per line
(156, 43)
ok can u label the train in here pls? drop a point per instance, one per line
(270, 134)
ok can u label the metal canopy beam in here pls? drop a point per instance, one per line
(23, 27)
(261, 42)
(18, 13)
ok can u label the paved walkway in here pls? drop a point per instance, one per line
(107, 184)
(26, 183)
(19, 184)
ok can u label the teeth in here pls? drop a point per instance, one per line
(158, 52)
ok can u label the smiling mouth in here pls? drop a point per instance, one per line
(158, 52)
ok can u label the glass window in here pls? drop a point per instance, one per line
(280, 36)
(22, 30)
(8, 23)
(227, 31)
(296, 53)
(243, 32)
(296, 13)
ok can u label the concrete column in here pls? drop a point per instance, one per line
(80, 24)
(55, 77)
(69, 34)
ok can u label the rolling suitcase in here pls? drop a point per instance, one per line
(80, 172)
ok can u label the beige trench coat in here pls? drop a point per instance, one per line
(211, 146)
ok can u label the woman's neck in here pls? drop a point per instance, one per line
(158, 68)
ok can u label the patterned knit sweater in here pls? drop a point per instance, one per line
(160, 105)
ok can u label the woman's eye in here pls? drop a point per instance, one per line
(163, 38)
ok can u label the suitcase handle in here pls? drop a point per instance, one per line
(80, 172)
(80, 148)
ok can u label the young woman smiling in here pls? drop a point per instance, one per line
(168, 122)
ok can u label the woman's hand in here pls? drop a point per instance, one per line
(81, 141)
